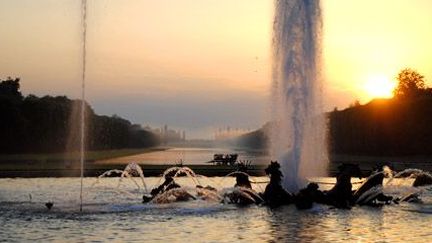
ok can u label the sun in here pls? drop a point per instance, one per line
(379, 86)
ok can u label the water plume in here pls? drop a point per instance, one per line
(130, 171)
(83, 105)
(133, 169)
(298, 133)
(178, 171)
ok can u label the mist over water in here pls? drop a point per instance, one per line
(298, 134)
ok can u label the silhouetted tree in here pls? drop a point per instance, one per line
(411, 84)
(51, 124)
(10, 88)
(383, 127)
(355, 103)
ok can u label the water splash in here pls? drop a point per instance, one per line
(234, 194)
(208, 194)
(177, 171)
(297, 137)
(388, 172)
(410, 173)
(370, 194)
(173, 195)
(107, 174)
(236, 173)
(131, 170)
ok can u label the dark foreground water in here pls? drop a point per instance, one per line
(113, 212)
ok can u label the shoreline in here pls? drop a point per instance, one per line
(93, 169)
(97, 162)
(73, 156)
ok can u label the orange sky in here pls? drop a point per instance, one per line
(201, 64)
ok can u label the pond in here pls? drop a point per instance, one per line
(113, 211)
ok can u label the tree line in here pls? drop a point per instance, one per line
(398, 126)
(401, 125)
(31, 124)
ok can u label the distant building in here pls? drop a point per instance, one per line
(167, 135)
(228, 132)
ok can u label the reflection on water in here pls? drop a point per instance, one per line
(188, 156)
(118, 215)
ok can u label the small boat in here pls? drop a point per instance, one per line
(224, 159)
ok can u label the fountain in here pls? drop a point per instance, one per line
(298, 131)
(297, 137)
(178, 171)
(131, 171)
(83, 106)
(46, 208)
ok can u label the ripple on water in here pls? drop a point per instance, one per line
(115, 217)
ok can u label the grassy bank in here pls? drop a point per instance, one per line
(90, 155)
(41, 164)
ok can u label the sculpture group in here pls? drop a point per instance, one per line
(341, 195)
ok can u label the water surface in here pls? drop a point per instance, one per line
(189, 156)
(114, 212)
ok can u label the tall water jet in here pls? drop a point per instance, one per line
(298, 134)
(83, 106)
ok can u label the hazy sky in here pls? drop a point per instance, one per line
(202, 64)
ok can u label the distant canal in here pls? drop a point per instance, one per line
(187, 156)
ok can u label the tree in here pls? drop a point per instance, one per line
(34, 124)
(355, 103)
(10, 87)
(411, 84)
(12, 122)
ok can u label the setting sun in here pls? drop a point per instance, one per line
(379, 87)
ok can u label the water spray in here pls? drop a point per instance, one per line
(84, 34)
(297, 137)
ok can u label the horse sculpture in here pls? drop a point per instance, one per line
(243, 194)
(341, 195)
(168, 191)
(306, 197)
(275, 195)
